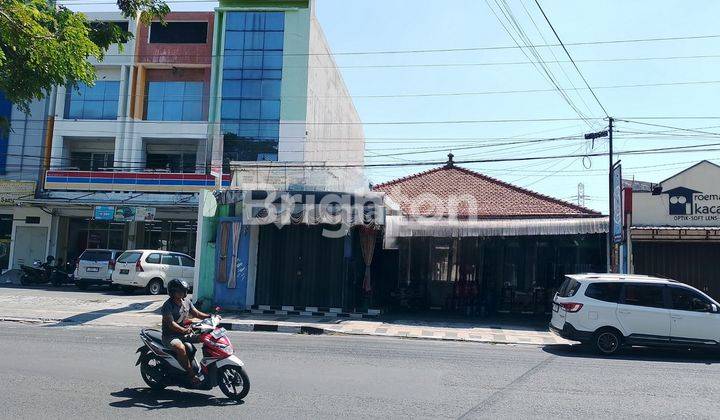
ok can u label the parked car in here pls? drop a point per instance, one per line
(95, 267)
(609, 311)
(151, 269)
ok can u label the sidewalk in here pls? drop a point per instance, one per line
(66, 306)
(481, 331)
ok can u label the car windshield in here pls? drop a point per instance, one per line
(129, 257)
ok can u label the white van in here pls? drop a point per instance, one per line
(95, 267)
(608, 311)
(152, 269)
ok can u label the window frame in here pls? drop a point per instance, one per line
(689, 291)
(153, 254)
(184, 101)
(175, 22)
(665, 295)
(78, 95)
(164, 256)
(619, 291)
(129, 254)
(182, 257)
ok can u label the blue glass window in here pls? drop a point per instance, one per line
(98, 102)
(174, 101)
(252, 72)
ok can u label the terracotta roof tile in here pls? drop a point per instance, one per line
(431, 193)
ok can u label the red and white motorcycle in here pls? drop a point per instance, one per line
(160, 368)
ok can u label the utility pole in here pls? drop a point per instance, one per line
(609, 134)
(581, 195)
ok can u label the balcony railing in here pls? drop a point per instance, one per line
(71, 180)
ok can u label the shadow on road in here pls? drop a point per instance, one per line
(647, 354)
(167, 398)
(82, 318)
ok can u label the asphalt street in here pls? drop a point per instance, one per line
(89, 372)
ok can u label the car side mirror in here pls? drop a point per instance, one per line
(714, 308)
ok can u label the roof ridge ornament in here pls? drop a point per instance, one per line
(450, 163)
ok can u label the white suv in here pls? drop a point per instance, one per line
(151, 269)
(608, 311)
(95, 266)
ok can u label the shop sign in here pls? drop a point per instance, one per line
(134, 214)
(11, 191)
(686, 204)
(104, 213)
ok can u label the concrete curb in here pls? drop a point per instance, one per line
(316, 330)
(272, 327)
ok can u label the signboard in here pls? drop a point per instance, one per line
(281, 176)
(104, 213)
(11, 191)
(690, 198)
(134, 214)
(618, 214)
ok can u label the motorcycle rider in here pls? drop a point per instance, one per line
(175, 312)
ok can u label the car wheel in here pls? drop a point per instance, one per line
(154, 287)
(607, 342)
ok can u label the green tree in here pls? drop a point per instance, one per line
(44, 45)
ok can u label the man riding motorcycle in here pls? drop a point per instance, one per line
(176, 313)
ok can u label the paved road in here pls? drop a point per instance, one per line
(88, 372)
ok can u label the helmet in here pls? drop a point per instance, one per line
(176, 285)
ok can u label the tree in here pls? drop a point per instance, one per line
(43, 45)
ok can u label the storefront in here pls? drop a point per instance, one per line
(10, 193)
(676, 227)
(72, 226)
(292, 252)
(468, 244)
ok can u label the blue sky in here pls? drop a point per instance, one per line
(391, 25)
(373, 25)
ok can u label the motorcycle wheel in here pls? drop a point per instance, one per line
(233, 382)
(24, 280)
(151, 373)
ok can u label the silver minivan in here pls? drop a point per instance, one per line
(95, 267)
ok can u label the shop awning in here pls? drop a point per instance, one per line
(403, 227)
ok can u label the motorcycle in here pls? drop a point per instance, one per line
(38, 273)
(219, 366)
(62, 274)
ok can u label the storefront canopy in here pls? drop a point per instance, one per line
(403, 227)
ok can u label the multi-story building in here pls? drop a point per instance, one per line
(129, 153)
(254, 81)
(279, 96)
(21, 164)
(282, 119)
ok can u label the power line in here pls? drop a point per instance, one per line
(673, 128)
(463, 93)
(571, 59)
(539, 65)
(676, 149)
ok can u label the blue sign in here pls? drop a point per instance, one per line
(618, 214)
(104, 213)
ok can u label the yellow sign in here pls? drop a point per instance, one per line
(11, 191)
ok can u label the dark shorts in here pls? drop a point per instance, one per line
(188, 338)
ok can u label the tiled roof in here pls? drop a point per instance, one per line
(421, 194)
